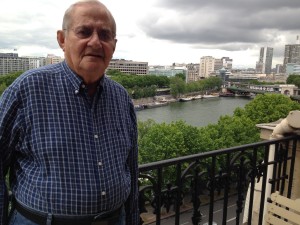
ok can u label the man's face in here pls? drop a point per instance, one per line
(89, 41)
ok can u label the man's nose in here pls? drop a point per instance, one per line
(95, 40)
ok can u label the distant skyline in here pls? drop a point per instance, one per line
(162, 32)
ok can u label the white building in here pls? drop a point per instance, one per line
(128, 66)
(207, 64)
(169, 71)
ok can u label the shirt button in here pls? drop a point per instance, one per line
(76, 92)
(103, 193)
(95, 136)
(83, 86)
(100, 164)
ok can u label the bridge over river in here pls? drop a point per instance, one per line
(285, 89)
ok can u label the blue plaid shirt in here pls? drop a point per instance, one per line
(68, 154)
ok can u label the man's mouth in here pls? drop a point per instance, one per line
(95, 55)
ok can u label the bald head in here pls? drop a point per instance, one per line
(70, 12)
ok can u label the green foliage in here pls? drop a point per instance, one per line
(294, 79)
(164, 141)
(180, 75)
(177, 86)
(257, 82)
(267, 108)
(6, 80)
(113, 72)
(2, 88)
(142, 92)
(212, 83)
(139, 86)
(131, 81)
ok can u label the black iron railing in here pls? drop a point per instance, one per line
(196, 181)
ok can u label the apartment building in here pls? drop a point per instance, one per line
(53, 59)
(291, 55)
(192, 72)
(207, 64)
(128, 66)
(11, 62)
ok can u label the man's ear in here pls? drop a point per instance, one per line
(115, 44)
(60, 36)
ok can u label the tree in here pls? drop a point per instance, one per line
(177, 86)
(7, 80)
(180, 75)
(162, 141)
(267, 108)
(212, 83)
(294, 79)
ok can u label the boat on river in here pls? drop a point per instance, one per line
(226, 94)
(187, 99)
(155, 105)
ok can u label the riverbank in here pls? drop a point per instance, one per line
(158, 101)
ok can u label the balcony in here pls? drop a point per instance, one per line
(236, 182)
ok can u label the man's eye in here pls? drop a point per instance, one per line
(84, 33)
(105, 35)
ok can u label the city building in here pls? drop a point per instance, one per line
(207, 65)
(279, 69)
(224, 74)
(292, 68)
(260, 66)
(128, 66)
(192, 72)
(264, 63)
(169, 71)
(11, 62)
(227, 63)
(53, 59)
(218, 64)
(291, 55)
(268, 60)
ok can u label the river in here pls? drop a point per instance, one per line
(197, 113)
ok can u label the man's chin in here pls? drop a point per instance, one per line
(93, 68)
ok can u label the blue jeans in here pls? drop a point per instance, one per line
(17, 219)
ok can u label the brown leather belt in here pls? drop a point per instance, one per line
(40, 218)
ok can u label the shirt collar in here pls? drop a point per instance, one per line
(76, 80)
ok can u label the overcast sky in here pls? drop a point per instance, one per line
(163, 31)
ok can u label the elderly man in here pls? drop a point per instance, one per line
(68, 134)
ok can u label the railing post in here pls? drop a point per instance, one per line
(226, 188)
(196, 218)
(212, 190)
(158, 195)
(178, 201)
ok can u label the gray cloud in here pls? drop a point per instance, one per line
(27, 29)
(228, 25)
